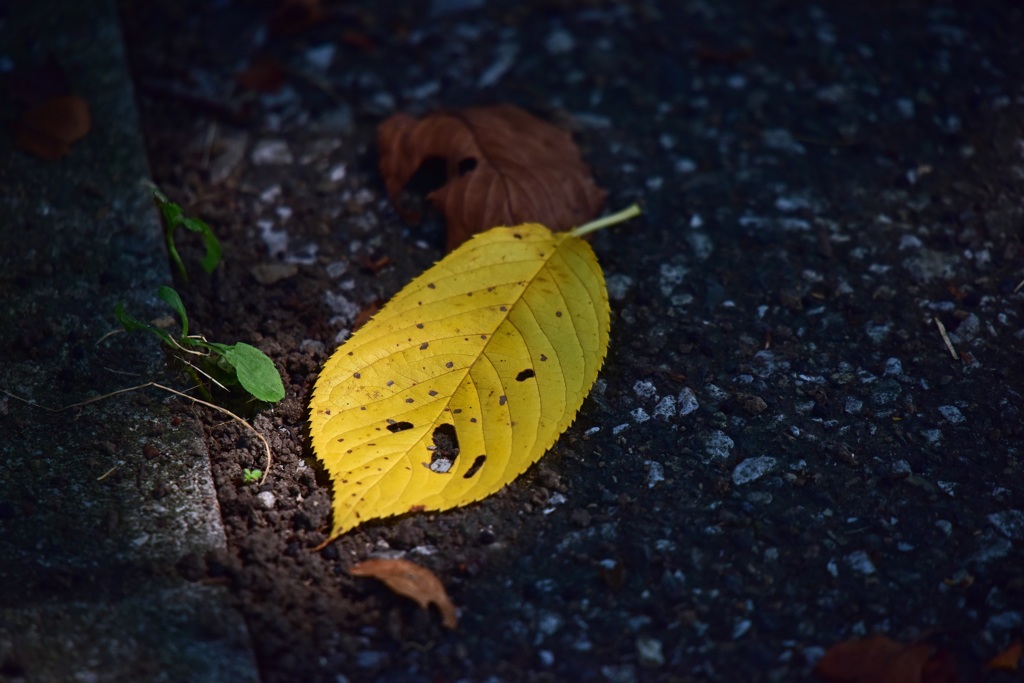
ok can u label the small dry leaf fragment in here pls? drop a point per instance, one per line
(413, 581)
(295, 16)
(1008, 659)
(264, 74)
(503, 167)
(879, 659)
(49, 128)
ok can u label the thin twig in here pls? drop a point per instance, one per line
(266, 444)
(107, 473)
(1017, 288)
(945, 338)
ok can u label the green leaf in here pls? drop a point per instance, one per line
(131, 324)
(174, 301)
(174, 218)
(256, 372)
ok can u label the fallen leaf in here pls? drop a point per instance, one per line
(413, 581)
(1008, 659)
(503, 167)
(49, 128)
(294, 16)
(465, 378)
(879, 659)
(264, 74)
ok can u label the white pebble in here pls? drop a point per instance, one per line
(753, 469)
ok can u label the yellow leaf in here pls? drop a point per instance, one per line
(465, 378)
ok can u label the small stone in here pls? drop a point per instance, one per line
(271, 273)
(686, 403)
(655, 473)
(952, 414)
(753, 469)
(649, 652)
(1009, 523)
(666, 408)
(886, 391)
(717, 445)
(645, 390)
(266, 499)
(859, 561)
(271, 152)
(893, 367)
(754, 405)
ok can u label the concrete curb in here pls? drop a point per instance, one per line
(101, 505)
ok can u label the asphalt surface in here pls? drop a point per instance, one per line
(808, 426)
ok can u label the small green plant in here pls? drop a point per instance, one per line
(175, 218)
(251, 476)
(222, 363)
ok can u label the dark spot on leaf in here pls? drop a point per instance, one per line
(543, 357)
(391, 382)
(558, 314)
(525, 375)
(457, 411)
(340, 439)
(396, 427)
(356, 375)
(483, 336)
(431, 286)
(466, 165)
(449, 365)
(517, 236)
(419, 325)
(408, 400)
(351, 352)
(475, 467)
(424, 345)
(504, 308)
(432, 392)
(327, 412)
(502, 400)
(362, 407)
(472, 419)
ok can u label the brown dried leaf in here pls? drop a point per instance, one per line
(264, 74)
(413, 581)
(503, 166)
(49, 128)
(879, 659)
(1009, 659)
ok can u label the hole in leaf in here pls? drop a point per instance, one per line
(475, 467)
(466, 165)
(445, 450)
(525, 375)
(399, 427)
(431, 175)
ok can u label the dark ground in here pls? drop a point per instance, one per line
(781, 452)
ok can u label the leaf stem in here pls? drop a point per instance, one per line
(617, 217)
